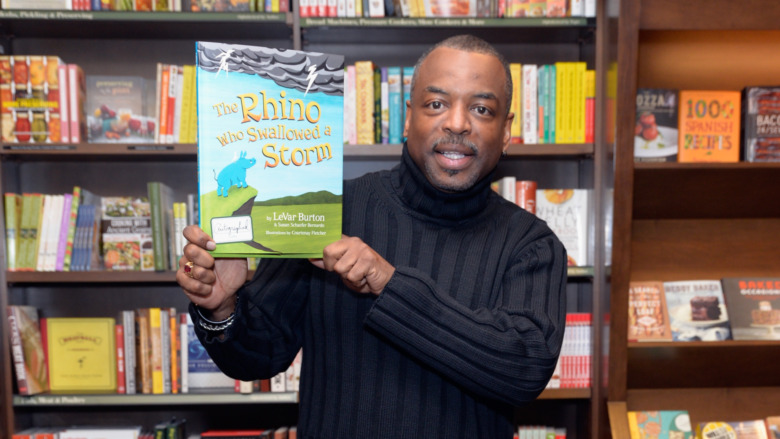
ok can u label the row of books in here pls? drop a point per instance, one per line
(141, 5)
(81, 231)
(175, 104)
(42, 100)
(738, 308)
(552, 103)
(447, 8)
(566, 211)
(540, 432)
(173, 429)
(146, 351)
(708, 125)
(573, 368)
(676, 424)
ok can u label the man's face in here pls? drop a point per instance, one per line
(456, 126)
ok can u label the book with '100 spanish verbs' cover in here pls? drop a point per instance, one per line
(270, 149)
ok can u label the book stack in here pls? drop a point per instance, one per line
(175, 107)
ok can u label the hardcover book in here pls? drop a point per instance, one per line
(27, 350)
(773, 427)
(648, 318)
(659, 424)
(116, 110)
(709, 126)
(754, 307)
(81, 354)
(126, 233)
(761, 121)
(270, 149)
(697, 311)
(749, 429)
(566, 212)
(655, 133)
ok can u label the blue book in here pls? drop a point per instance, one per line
(395, 96)
(270, 149)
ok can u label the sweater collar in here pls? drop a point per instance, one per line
(416, 191)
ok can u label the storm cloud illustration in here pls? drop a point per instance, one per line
(287, 68)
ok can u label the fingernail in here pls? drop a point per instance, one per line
(211, 245)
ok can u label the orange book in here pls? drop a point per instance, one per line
(120, 359)
(709, 126)
(648, 316)
(162, 114)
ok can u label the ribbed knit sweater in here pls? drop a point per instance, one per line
(469, 325)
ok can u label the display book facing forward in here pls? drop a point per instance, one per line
(270, 149)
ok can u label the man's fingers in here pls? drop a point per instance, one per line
(197, 236)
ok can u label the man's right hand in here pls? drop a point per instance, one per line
(209, 283)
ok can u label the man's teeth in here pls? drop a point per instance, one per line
(453, 155)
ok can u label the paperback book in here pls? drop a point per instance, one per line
(754, 307)
(761, 121)
(270, 149)
(697, 311)
(116, 110)
(126, 234)
(748, 429)
(709, 124)
(648, 318)
(659, 424)
(567, 212)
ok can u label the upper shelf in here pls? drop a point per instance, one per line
(84, 151)
(706, 190)
(144, 25)
(709, 14)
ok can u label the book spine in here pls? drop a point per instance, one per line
(76, 97)
(516, 71)
(350, 131)
(17, 353)
(529, 111)
(395, 96)
(67, 203)
(165, 347)
(590, 106)
(364, 91)
(158, 243)
(175, 349)
(156, 348)
(377, 115)
(120, 359)
(35, 234)
(44, 221)
(184, 357)
(12, 223)
(72, 217)
(162, 113)
(128, 323)
(173, 76)
(384, 106)
(62, 72)
(143, 351)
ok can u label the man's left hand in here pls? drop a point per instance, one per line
(361, 268)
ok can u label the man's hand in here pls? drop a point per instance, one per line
(211, 284)
(361, 268)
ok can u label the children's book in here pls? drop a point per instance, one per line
(659, 424)
(754, 307)
(270, 149)
(697, 311)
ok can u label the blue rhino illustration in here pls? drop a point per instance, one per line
(233, 174)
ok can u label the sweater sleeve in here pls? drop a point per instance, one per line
(266, 334)
(506, 351)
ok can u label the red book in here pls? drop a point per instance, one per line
(120, 359)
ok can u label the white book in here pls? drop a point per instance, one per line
(44, 230)
(100, 433)
(179, 92)
(184, 351)
(351, 11)
(165, 332)
(376, 8)
(530, 108)
(350, 129)
(341, 8)
(577, 8)
(279, 382)
(507, 187)
(128, 322)
(53, 234)
(333, 8)
(64, 106)
(567, 212)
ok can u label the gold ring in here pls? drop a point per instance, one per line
(188, 269)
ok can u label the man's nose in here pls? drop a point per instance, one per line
(458, 121)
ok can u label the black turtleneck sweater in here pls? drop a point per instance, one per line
(469, 326)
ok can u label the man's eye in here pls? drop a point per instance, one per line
(435, 105)
(482, 110)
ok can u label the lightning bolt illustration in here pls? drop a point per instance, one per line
(312, 76)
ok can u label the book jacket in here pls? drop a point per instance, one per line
(648, 318)
(697, 311)
(81, 354)
(660, 424)
(761, 122)
(655, 132)
(709, 126)
(270, 149)
(754, 307)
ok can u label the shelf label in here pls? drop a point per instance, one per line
(22, 147)
(150, 147)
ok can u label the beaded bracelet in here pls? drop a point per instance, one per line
(212, 326)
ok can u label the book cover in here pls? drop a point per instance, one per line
(13, 216)
(754, 307)
(655, 133)
(648, 318)
(116, 110)
(27, 350)
(709, 126)
(81, 354)
(748, 429)
(761, 122)
(30, 95)
(126, 234)
(201, 372)
(270, 149)
(567, 213)
(77, 111)
(660, 424)
(697, 311)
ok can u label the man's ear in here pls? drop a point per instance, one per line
(408, 115)
(508, 130)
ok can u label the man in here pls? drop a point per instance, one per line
(442, 307)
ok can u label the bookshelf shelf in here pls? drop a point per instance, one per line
(405, 22)
(119, 24)
(146, 277)
(199, 398)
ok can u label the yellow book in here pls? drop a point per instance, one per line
(81, 354)
(155, 337)
(185, 121)
(364, 108)
(516, 70)
(13, 216)
(561, 69)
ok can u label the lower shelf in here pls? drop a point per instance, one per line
(150, 400)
